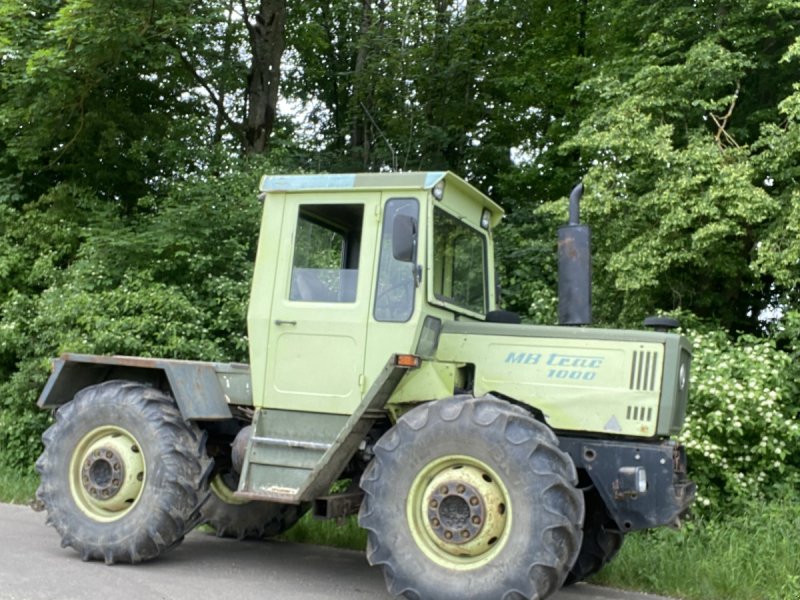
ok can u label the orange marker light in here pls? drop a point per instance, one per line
(408, 361)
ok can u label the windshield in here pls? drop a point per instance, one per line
(459, 263)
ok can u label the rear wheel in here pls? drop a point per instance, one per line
(121, 473)
(233, 517)
(471, 498)
(602, 540)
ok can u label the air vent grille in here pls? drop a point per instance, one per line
(639, 413)
(643, 371)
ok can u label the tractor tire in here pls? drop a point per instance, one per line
(471, 498)
(241, 519)
(602, 540)
(121, 473)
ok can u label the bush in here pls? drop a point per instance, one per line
(170, 280)
(742, 432)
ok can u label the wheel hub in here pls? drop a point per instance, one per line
(103, 473)
(107, 473)
(463, 511)
(456, 512)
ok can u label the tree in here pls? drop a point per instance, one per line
(266, 36)
(90, 90)
(676, 189)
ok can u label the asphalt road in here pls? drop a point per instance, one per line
(33, 566)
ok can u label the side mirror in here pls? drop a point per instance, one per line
(404, 238)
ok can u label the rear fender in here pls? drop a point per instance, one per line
(194, 385)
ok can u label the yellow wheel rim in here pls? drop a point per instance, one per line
(223, 492)
(107, 473)
(459, 512)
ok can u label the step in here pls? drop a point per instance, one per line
(295, 456)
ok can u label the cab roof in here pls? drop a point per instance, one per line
(419, 180)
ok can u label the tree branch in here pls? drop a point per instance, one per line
(246, 20)
(215, 99)
(722, 122)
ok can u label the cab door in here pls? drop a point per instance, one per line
(318, 326)
(394, 320)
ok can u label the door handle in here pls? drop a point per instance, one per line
(282, 322)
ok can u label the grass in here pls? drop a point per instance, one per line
(16, 487)
(346, 534)
(753, 556)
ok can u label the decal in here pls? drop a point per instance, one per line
(523, 358)
(574, 367)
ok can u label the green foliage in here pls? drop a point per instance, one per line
(742, 431)
(346, 534)
(93, 93)
(18, 486)
(751, 556)
(690, 197)
(528, 264)
(171, 281)
(126, 226)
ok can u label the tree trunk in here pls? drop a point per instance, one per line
(359, 134)
(267, 42)
(222, 118)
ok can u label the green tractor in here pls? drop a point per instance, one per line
(488, 459)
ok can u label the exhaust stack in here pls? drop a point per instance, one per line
(574, 267)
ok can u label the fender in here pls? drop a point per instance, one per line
(196, 386)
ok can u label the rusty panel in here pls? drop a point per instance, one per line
(194, 384)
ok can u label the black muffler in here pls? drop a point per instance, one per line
(574, 267)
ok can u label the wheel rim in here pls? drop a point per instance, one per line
(225, 492)
(459, 512)
(107, 473)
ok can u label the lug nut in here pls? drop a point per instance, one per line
(461, 489)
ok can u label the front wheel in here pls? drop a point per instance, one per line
(471, 498)
(121, 473)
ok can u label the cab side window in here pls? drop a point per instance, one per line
(327, 245)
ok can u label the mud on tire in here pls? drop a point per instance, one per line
(513, 518)
(121, 473)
